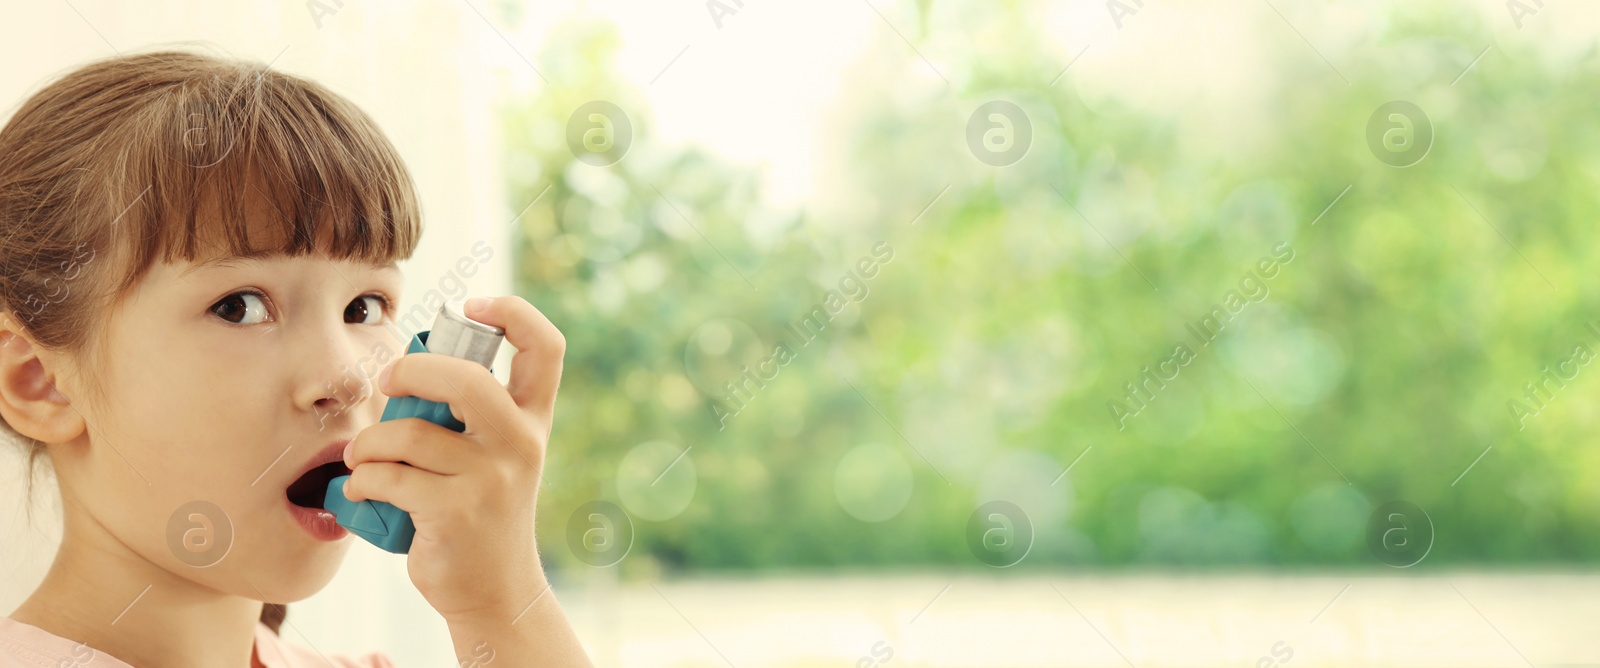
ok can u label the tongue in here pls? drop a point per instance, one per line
(309, 490)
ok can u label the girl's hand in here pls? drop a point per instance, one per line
(470, 494)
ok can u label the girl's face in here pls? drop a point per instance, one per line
(223, 383)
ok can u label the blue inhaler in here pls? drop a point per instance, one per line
(453, 334)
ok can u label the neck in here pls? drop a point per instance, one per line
(104, 595)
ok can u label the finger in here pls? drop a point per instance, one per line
(407, 487)
(414, 441)
(474, 396)
(536, 367)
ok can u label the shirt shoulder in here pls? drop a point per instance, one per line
(28, 646)
(275, 652)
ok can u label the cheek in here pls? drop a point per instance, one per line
(186, 426)
(175, 504)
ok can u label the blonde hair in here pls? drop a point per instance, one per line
(130, 159)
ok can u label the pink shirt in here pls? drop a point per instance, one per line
(27, 646)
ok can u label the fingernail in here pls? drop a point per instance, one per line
(476, 304)
(347, 448)
(383, 377)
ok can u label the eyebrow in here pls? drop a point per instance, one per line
(237, 260)
(213, 263)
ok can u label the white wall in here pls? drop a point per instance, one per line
(426, 72)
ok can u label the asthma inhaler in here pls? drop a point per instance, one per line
(453, 334)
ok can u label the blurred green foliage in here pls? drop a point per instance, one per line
(990, 345)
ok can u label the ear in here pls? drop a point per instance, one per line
(29, 400)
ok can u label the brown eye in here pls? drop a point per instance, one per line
(360, 313)
(241, 308)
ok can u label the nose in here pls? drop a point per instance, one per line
(336, 374)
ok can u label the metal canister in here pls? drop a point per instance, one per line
(456, 335)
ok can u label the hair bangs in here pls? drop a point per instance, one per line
(246, 162)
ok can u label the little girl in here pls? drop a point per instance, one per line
(197, 264)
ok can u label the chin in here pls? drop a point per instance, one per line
(289, 576)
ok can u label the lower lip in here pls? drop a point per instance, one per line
(320, 523)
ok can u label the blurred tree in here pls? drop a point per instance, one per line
(1380, 362)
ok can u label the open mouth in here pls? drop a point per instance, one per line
(310, 489)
